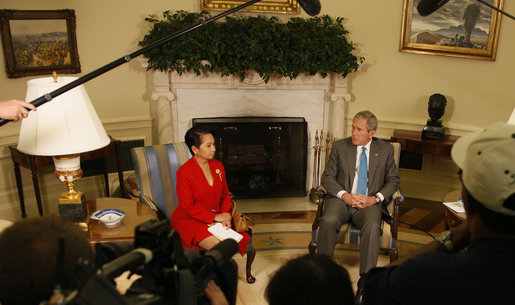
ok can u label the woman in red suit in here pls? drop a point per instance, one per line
(203, 194)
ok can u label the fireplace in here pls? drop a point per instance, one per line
(177, 99)
(263, 156)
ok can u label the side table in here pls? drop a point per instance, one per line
(135, 214)
(412, 141)
(33, 162)
(453, 218)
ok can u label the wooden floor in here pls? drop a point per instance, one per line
(416, 214)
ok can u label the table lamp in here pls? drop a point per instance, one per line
(63, 128)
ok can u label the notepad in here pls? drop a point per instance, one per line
(455, 206)
(222, 233)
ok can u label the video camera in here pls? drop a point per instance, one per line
(169, 273)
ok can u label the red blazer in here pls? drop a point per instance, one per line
(199, 202)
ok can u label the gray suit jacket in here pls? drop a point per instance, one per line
(382, 171)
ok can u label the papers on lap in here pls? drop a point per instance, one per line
(222, 232)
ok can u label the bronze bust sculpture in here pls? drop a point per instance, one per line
(436, 109)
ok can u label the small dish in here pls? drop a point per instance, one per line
(109, 217)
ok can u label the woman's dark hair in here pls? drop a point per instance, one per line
(310, 279)
(192, 137)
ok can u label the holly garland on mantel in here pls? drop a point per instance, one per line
(239, 44)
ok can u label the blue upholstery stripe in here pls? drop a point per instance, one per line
(168, 186)
(154, 172)
(156, 168)
(174, 165)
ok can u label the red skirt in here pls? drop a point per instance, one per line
(193, 232)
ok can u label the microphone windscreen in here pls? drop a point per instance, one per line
(427, 7)
(311, 7)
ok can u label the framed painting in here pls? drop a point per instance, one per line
(39, 42)
(460, 28)
(263, 6)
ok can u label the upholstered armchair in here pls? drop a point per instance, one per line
(350, 234)
(156, 167)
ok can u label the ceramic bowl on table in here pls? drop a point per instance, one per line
(109, 217)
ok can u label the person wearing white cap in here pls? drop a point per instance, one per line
(473, 263)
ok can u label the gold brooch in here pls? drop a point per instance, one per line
(219, 173)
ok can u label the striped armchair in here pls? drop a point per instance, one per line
(156, 167)
(350, 234)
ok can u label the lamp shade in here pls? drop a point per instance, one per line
(66, 125)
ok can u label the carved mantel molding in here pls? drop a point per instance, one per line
(176, 99)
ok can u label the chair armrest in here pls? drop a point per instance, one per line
(397, 199)
(322, 193)
(150, 203)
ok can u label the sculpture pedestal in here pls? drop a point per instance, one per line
(433, 130)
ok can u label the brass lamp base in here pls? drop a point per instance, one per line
(73, 207)
(72, 204)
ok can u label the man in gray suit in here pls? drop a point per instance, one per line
(359, 177)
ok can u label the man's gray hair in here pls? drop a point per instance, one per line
(370, 117)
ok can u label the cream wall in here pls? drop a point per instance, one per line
(397, 85)
(394, 85)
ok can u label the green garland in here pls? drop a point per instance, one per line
(238, 44)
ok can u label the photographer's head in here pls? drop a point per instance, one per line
(28, 257)
(487, 162)
(310, 279)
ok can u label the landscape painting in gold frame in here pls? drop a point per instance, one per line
(263, 6)
(37, 42)
(460, 28)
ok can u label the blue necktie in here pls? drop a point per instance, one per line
(362, 173)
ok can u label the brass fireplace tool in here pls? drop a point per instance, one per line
(317, 162)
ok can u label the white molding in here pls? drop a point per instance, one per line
(177, 99)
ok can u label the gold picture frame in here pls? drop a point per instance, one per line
(263, 6)
(37, 42)
(457, 29)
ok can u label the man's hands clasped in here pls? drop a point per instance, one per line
(358, 201)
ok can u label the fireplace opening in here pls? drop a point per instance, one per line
(263, 156)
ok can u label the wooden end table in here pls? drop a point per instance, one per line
(33, 162)
(412, 141)
(135, 214)
(453, 218)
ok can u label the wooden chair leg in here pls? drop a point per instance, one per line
(251, 253)
(312, 247)
(394, 255)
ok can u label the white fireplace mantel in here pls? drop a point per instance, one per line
(177, 99)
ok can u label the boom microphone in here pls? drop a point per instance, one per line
(427, 7)
(311, 7)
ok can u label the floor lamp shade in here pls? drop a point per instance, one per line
(68, 124)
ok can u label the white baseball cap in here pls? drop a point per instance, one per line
(487, 159)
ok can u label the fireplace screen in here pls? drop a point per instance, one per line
(263, 156)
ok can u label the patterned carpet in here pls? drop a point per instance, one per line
(278, 242)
